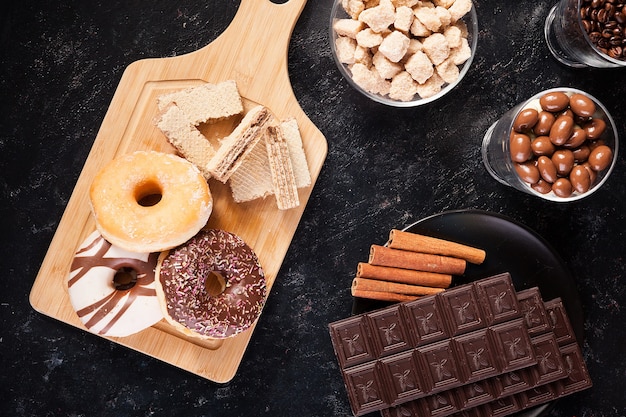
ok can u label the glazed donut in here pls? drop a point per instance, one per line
(150, 201)
(113, 290)
(186, 274)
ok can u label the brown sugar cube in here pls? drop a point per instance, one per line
(404, 3)
(459, 9)
(363, 56)
(436, 47)
(420, 67)
(448, 71)
(418, 29)
(444, 16)
(348, 27)
(353, 7)
(462, 53)
(404, 19)
(385, 67)
(429, 18)
(394, 46)
(453, 36)
(369, 80)
(346, 48)
(379, 18)
(367, 38)
(431, 87)
(443, 3)
(403, 87)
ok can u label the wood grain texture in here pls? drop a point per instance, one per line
(253, 52)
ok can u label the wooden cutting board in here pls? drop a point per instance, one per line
(253, 52)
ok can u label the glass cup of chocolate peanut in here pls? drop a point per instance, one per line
(588, 33)
(560, 145)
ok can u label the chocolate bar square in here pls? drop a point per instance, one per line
(533, 311)
(539, 395)
(404, 374)
(478, 355)
(460, 304)
(351, 341)
(497, 299)
(389, 333)
(474, 394)
(577, 375)
(549, 366)
(513, 382)
(403, 410)
(441, 404)
(366, 388)
(513, 342)
(440, 362)
(426, 320)
(502, 407)
(559, 322)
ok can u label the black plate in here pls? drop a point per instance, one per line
(511, 247)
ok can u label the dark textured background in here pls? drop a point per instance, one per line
(59, 65)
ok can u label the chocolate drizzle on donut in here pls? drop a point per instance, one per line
(142, 274)
(183, 275)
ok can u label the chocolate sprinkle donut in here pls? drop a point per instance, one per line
(186, 274)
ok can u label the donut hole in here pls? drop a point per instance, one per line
(214, 283)
(148, 194)
(125, 278)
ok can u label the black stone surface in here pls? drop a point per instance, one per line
(59, 65)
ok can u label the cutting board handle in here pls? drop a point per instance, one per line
(254, 45)
(289, 6)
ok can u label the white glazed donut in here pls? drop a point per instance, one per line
(97, 269)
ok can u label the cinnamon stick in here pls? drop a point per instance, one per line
(366, 284)
(385, 256)
(399, 239)
(383, 296)
(404, 276)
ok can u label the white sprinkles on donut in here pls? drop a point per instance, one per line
(101, 306)
(184, 275)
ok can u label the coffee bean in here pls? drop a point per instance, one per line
(605, 23)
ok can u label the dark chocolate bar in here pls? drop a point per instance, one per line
(476, 349)
(560, 370)
(431, 345)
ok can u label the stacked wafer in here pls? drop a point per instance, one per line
(261, 157)
(410, 266)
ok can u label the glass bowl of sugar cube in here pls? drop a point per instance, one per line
(403, 53)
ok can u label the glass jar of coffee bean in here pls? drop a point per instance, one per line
(587, 33)
(604, 22)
